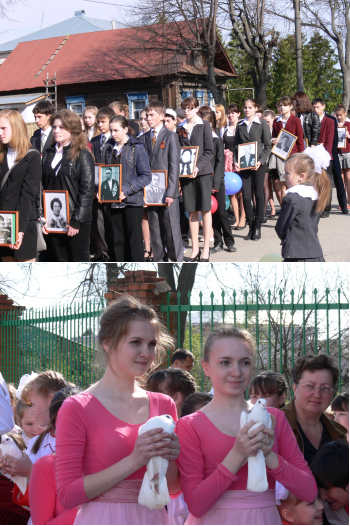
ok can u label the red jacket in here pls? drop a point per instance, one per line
(294, 127)
(347, 149)
(327, 134)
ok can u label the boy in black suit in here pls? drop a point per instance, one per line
(42, 138)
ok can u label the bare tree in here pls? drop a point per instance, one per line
(256, 38)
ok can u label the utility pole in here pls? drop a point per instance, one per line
(299, 49)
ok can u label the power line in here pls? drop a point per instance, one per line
(107, 3)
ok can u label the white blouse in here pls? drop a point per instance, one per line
(11, 157)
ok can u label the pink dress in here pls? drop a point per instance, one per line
(90, 439)
(214, 495)
(45, 508)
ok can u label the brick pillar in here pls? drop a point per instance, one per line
(147, 288)
(9, 341)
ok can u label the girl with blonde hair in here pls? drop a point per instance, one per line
(19, 184)
(221, 120)
(90, 123)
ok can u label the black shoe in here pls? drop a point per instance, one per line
(325, 214)
(257, 233)
(217, 248)
(196, 258)
(264, 220)
(345, 210)
(203, 260)
(250, 233)
(240, 227)
(231, 247)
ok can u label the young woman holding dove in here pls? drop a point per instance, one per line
(215, 449)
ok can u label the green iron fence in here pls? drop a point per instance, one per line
(284, 328)
(62, 338)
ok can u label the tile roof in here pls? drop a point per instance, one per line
(99, 56)
(72, 26)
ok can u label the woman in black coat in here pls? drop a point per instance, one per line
(69, 165)
(196, 189)
(19, 189)
(310, 121)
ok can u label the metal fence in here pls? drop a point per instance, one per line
(64, 338)
(284, 330)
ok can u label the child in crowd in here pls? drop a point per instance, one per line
(344, 153)
(330, 467)
(170, 120)
(271, 386)
(195, 402)
(307, 195)
(90, 122)
(99, 143)
(220, 120)
(295, 511)
(143, 123)
(340, 408)
(26, 421)
(214, 447)
(175, 383)
(269, 117)
(45, 507)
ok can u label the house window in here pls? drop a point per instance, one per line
(185, 94)
(211, 100)
(76, 104)
(137, 103)
(200, 97)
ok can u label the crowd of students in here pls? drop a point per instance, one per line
(87, 464)
(130, 231)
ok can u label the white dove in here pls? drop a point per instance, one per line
(154, 490)
(257, 478)
(9, 447)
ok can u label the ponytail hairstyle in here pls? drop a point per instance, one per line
(55, 405)
(93, 110)
(206, 113)
(20, 141)
(43, 385)
(72, 123)
(124, 123)
(302, 163)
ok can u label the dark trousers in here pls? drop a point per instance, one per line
(127, 233)
(184, 225)
(329, 173)
(257, 177)
(221, 222)
(338, 182)
(62, 248)
(101, 230)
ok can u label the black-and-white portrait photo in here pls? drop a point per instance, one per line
(188, 160)
(8, 227)
(284, 145)
(109, 184)
(341, 137)
(155, 192)
(247, 155)
(56, 210)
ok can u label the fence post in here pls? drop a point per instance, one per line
(9, 341)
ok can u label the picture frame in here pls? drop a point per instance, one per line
(188, 160)
(247, 155)
(155, 192)
(306, 143)
(109, 193)
(56, 211)
(341, 136)
(97, 173)
(284, 145)
(8, 228)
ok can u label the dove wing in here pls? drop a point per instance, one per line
(244, 419)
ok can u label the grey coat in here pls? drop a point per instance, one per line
(259, 133)
(297, 227)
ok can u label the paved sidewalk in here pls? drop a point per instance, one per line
(333, 232)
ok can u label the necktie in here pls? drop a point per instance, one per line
(103, 142)
(154, 139)
(42, 142)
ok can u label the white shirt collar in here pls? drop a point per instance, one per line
(61, 152)
(321, 118)
(46, 132)
(158, 128)
(185, 125)
(304, 191)
(107, 135)
(256, 119)
(214, 134)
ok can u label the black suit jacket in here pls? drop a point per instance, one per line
(21, 188)
(106, 193)
(35, 140)
(259, 133)
(95, 143)
(201, 136)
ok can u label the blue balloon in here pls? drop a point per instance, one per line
(233, 183)
(227, 202)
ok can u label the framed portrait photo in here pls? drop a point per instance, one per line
(247, 155)
(188, 160)
(109, 183)
(341, 137)
(284, 145)
(155, 192)
(306, 143)
(56, 211)
(8, 228)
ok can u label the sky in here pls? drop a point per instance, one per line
(26, 15)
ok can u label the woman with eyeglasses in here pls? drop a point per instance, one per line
(315, 380)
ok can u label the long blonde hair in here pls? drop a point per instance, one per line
(20, 141)
(223, 120)
(93, 110)
(302, 163)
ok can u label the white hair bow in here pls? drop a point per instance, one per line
(320, 157)
(23, 382)
(281, 493)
